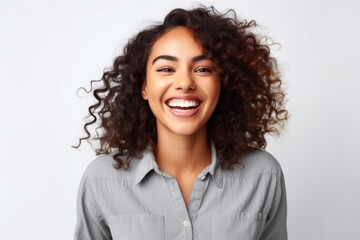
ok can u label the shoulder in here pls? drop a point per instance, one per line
(257, 163)
(261, 162)
(103, 168)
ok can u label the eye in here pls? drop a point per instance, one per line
(203, 70)
(165, 69)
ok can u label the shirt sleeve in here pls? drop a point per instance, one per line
(91, 224)
(275, 227)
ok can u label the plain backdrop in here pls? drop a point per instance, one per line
(48, 49)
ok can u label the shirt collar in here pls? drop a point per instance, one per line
(148, 163)
(145, 165)
(213, 169)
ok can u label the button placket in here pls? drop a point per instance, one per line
(199, 189)
(180, 207)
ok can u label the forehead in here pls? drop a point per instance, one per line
(179, 41)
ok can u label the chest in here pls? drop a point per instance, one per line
(157, 209)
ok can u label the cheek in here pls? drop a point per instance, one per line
(155, 89)
(214, 90)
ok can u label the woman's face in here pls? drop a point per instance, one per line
(181, 84)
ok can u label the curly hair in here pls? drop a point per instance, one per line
(251, 102)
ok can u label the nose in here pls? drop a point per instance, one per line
(184, 81)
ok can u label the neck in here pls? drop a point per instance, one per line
(179, 155)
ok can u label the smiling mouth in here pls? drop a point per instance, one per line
(183, 104)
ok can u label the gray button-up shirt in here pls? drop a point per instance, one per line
(247, 202)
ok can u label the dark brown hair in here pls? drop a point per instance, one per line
(251, 101)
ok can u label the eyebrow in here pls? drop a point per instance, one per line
(175, 59)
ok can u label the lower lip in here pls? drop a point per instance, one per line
(183, 113)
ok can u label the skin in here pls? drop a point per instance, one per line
(177, 68)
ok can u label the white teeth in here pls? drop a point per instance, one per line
(183, 103)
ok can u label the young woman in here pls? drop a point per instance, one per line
(183, 113)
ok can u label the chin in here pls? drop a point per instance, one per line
(187, 130)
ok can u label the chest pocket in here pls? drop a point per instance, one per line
(137, 226)
(238, 225)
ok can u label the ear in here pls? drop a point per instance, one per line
(144, 91)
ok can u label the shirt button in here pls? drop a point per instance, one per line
(186, 223)
(202, 178)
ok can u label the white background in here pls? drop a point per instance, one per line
(48, 49)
